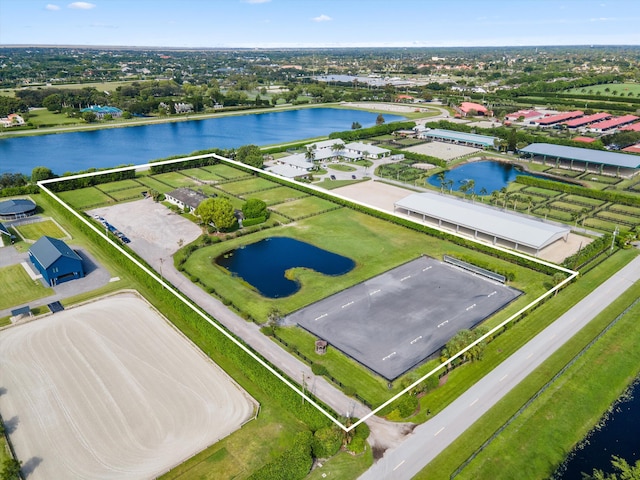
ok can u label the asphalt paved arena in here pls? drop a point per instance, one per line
(396, 320)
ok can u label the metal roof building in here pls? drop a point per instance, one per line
(482, 222)
(55, 260)
(16, 208)
(451, 136)
(587, 156)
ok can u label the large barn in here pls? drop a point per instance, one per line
(55, 260)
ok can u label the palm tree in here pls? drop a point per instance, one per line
(336, 147)
(310, 154)
(495, 196)
(471, 183)
(442, 177)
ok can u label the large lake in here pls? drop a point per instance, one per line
(72, 152)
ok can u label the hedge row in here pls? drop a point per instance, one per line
(419, 157)
(76, 183)
(384, 129)
(23, 190)
(221, 349)
(606, 195)
(586, 254)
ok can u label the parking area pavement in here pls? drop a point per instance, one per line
(396, 320)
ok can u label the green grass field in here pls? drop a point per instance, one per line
(18, 288)
(84, 198)
(43, 117)
(154, 184)
(340, 167)
(249, 185)
(201, 174)
(175, 179)
(225, 171)
(120, 185)
(33, 231)
(134, 193)
(277, 195)
(620, 89)
(303, 206)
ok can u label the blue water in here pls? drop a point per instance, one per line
(263, 264)
(72, 152)
(486, 174)
(617, 436)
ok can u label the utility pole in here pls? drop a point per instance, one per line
(613, 240)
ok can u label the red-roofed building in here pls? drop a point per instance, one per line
(561, 117)
(468, 108)
(634, 127)
(582, 121)
(584, 139)
(613, 123)
(526, 115)
(632, 149)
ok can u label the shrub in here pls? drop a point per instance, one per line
(407, 405)
(294, 464)
(326, 442)
(357, 445)
(319, 369)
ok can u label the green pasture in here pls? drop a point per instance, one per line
(602, 225)
(558, 215)
(593, 177)
(303, 206)
(202, 174)
(620, 89)
(33, 231)
(225, 171)
(592, 202)
(129, 194)
(43, 117)
(18, 288)
(277, 195)
(635, 211)
(154, 184)
(566, 206)
(119, 185)
(175, 179)
(344, 465)
(562, 172)
(618, 217)
(544, 192)
(84, 198)
(249, 185)
(443, 466)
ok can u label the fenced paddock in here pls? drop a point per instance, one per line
(111, 390)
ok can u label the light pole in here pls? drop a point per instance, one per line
(161, 262)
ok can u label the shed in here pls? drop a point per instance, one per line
(55, 260)
(16, 208)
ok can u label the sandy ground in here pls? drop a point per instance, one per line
(110, 390)
(388, 107)
(445, 151)
(383, 196)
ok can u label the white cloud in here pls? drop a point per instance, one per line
(603, 19)
(81, 5)
(52, 7)
(322, 18)
(256, 1)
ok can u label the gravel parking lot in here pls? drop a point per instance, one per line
(109, 390)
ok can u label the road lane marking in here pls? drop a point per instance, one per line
(416, 339)
(398, 465)
(443, 323)
(405, 278)
(472, 306)
(321, 316)
(347, 304)
(389, 356)
(374, 292)
(492, 294)
(474, 402)
(530, 355)
(504, 377)
(436, 434)
(425, 269)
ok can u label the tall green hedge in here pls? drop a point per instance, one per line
(384, 129)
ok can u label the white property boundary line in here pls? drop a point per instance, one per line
(196, 309)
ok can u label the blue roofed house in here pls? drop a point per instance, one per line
(55, 260)
(101, 111)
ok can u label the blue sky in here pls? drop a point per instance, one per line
(320, 23)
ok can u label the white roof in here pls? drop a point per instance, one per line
(326, 143)
(365, 147)
(524, 231)
(286, 171)
(298, 160)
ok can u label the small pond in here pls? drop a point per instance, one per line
(263, 264)
(486, 174)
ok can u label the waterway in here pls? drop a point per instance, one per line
(489, 175)
(617, 435)
(76, 151)
(264, 264)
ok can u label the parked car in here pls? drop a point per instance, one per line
(333, 177)
(353, 177)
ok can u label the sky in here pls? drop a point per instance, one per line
(319, 23)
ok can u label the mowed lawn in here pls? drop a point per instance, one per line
(84, 198)
(303, 207)
(33, 231)
(277, 195)
(374, 244)
(18, 288)
(251, 184)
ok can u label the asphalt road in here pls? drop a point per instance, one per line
(433, 437)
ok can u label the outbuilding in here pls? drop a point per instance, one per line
(55, 260)
(17, 208)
